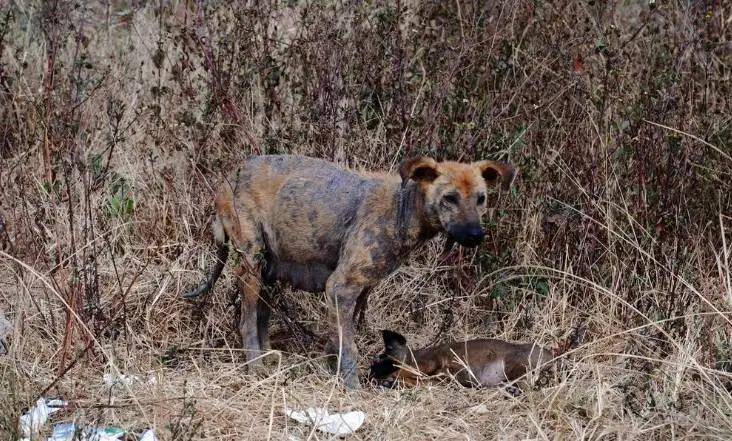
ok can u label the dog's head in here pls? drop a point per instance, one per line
(455, 193)
(393, 364)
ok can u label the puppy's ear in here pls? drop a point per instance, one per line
(395, 345)
(393, 339)
(419, 169)
(492, 171)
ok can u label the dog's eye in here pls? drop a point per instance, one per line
(481, 199)
(450, 199)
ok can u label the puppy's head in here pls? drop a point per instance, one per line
(455, 193)
(392, 366)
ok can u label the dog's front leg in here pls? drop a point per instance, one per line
(342, 295)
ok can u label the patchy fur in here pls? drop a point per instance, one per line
(317, 226)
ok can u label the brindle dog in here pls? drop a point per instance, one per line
(482, 362)
(320, 227)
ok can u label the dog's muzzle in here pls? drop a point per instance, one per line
(469, 235)
(386, 383)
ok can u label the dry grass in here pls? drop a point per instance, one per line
(117, 118)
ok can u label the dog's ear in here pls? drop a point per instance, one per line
(419, 169)
(393, 339)
(493, 170)
(395, 345)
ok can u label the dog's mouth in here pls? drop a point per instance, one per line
(385, 383)
(469, 243)
(380, 373)
(468, 236)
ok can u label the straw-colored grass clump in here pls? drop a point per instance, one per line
(118, 118)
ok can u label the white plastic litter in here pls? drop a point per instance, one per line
(149, 435)
(66, 432)
(336, 424)
(104, 434)
(62, 432)
(31, 422)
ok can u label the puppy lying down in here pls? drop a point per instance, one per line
(480, 362)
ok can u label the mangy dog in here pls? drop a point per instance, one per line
(482, 362)
(320, 227)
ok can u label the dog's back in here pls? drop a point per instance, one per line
(492, 361)
(281, 184)
(303, 208)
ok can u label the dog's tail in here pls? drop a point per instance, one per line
(222, 252)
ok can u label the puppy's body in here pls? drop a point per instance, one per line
(480, 362)
(319, 227)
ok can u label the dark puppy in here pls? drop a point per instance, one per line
(481, 362)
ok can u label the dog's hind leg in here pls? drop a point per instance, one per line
(264, 310)
(244, 234)
(359, 312)
(247, 277)
(249, 281)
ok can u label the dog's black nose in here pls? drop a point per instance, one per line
(468, 235)
(475, 234)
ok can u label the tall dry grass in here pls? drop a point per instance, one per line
(117, 117)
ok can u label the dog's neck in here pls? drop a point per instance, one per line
(412, 225)
(427, 361)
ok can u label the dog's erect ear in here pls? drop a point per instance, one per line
(493, 170)
(419, 169)
(395, 345)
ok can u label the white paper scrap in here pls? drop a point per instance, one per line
(336, 424)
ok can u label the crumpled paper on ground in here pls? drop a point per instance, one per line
(336, 424)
